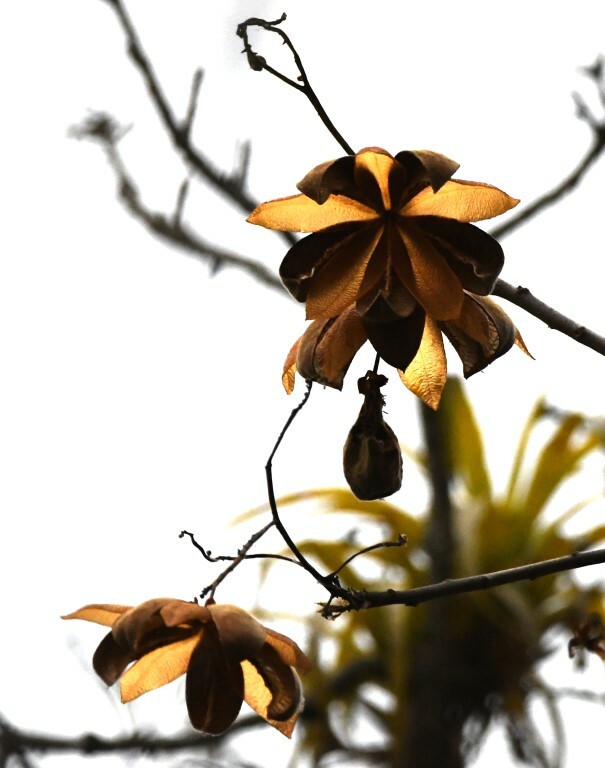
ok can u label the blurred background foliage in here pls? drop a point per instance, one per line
(375, 670)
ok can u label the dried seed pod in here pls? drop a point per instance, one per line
(371, 456)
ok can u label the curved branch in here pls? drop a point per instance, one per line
(258, 63)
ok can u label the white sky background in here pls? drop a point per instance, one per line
(138, 396)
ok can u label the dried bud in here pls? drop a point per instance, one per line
(371, 456)
(255, 62)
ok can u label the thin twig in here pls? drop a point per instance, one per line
(196, 84)
(579, 693)
(207, 554)
(177, 131)
(556, 193)
(570, 182)
(302, 83)
(271, 492)
(181, 199)
(171, 229)
(400, 541)
(330, 581)
(234, 560)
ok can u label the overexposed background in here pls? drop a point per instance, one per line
(139, 396)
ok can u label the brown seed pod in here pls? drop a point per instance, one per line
(372, 457)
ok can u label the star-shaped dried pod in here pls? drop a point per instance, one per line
(391, 235)
(227, 656)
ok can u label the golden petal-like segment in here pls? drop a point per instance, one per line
(99, 613)
(462, 200)
(328, 346)
(482, 333)
(258, 696)
(426, 375)
(288, 375)
(335, 286)
(431, 281)
(378, 164)
(288, 651)
(301, 214)
(157, 668)
(521, 344)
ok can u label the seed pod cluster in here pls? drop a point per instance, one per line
(372, 457)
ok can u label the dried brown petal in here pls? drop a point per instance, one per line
(482, 333)
(438, 168)
(335, 177)
(281, 680)
(240, 634)
(288, 651)
(304, 258)
(473, 255)
(110, 660)
(397, 341)
(142, 629)
(178, 612)
(214, 688)
(327, 348)
(336, 282)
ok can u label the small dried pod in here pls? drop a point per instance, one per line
(372, 457)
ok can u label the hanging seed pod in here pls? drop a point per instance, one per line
(371, 456)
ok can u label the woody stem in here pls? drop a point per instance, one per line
(302, 81)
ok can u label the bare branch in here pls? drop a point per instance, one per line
(570, 182)
(523, 298)
(17, 743)
(170, 229)
(234, 560)
(177, 131)
(413, 597)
